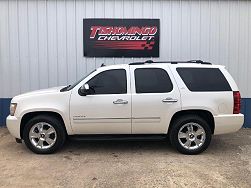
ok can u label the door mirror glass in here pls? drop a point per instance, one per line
(84, 90)
(86, 87)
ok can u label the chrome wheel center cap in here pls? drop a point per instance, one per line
(42, 135)
(191, 136)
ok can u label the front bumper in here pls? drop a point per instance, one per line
(13, 125)
(228, 123)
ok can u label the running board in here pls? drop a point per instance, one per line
(120, 137)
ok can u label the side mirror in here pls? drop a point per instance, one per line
(84, 90)
(86, 87)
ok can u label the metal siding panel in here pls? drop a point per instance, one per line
(156, 6)
(118, 13)
(80, 60)
(214, 33)
(4, 50)
(185, 30)
(24, 46)
(248, 64)
(195, 30)
(176, 30)
(137, 13)
(166, 31)
(43, 44)
(233, 40)
(243, 50)
(224, 32)
(109, 12)
(33, 45)
(14, 48)
(99, 11)
(71, 40)
(205, 30)
(147, 12)
(52, 42)
(61, 43)
(90, 13)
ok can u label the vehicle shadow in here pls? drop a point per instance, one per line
(219, 144)
(118, 146)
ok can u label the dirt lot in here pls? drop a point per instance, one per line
(227, 163)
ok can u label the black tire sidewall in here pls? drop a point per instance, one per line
(57, 125)
(179, 123)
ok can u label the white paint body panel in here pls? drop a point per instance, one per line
(149, 114)
(214, 102)
(228, 123)
(47, 100)
(143, 114)
(96, 114)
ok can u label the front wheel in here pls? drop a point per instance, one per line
(44, 134)
(190, 134)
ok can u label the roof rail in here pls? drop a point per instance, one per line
(172, 62)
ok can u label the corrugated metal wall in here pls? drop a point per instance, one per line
(41, 41)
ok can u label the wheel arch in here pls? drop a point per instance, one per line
(29, 115)
(204, 114)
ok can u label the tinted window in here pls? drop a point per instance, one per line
(109, 82)
(204, 79)
(152, 80)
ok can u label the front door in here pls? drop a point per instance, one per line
(107, 109)
(155, 98)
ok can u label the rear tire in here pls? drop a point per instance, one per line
(44, 134)
(190, 134)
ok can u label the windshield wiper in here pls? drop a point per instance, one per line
(65, 88)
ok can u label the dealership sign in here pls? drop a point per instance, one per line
(121, 37)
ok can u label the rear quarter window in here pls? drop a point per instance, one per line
(204, 79)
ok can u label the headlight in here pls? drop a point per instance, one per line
(13, 107)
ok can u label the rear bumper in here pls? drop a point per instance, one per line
(13, 125)
(228, 123)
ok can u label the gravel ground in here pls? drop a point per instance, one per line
(226, 163)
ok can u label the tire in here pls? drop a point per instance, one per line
(190, 141)
(49, 140)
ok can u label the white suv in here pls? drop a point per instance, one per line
(186, 102)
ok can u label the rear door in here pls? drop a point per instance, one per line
(155, 98)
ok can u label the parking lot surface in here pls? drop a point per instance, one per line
(226, 163)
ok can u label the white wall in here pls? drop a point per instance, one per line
(41, 40)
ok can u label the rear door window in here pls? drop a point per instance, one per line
(204, 79)
(152, 80)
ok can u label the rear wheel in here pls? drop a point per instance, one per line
(44, 134)
(190, 134)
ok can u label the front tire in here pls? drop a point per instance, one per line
(44, 134)
(190, 134)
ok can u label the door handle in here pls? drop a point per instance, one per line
(120, 101)
(170, 100)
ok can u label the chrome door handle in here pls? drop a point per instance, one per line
(120, 101)
(169, 100)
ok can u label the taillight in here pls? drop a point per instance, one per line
(237, 102)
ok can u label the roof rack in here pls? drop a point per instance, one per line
(171, 62)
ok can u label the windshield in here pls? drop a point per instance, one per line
(69, 87)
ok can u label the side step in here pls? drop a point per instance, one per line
(120, 137)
